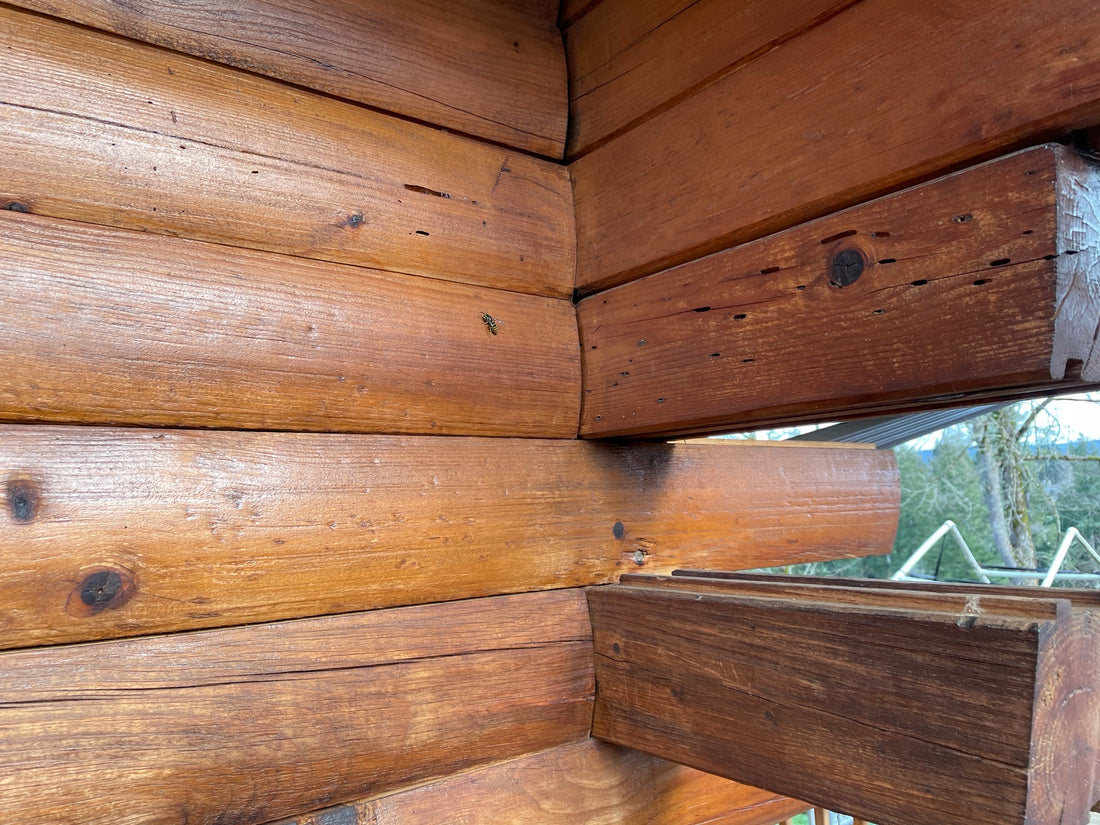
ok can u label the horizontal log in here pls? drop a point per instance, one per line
(255, 723)
(588, 783)
(492, 68)
(981, 284)
(116, 532)
(109, 326)
(99, 129)
(894, 714)
(879, 97)
(620, 53)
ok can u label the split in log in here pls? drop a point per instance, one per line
(179, 146)
(491, 68)
(588, 783)
(110, 326)
(983, 284)
(258, 723)
(107, 533)
(881, 96)
(921, 708)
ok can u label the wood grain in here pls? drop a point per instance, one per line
(621, 52)
(109, 326)
(107, 532)
(587, 783)
(256, 723)
(491, 68)
(881, 96)
(866, 710)
(99, 129)
(970, 285)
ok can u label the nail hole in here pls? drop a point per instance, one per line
(748, 360)
(422, 232)
(1000, 262)
(741, 316)
(965, 218)
(769, 270)
(880, 234)
(919, 282)
(879, 312)
(701, 309)
(888, 260)
(980, 282)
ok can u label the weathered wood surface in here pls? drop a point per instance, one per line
(884, 713)
(103, 130)
(630, 59)
(982, 283)
(492, 68)
(927, 85)
(1078, 597)
(109, 532)
(256, 723)
(588, 783)
(109, 326)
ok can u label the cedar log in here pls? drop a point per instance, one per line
(491, 68)
(110, 326)
(619, 55)
(983, 284)
(109, 533)
(257, 723)
(588, 783)
(99, 129)
(883, 95)
(908, 714)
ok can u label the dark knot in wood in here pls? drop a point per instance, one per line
(100, 590)
(846, 266)
(23, 497)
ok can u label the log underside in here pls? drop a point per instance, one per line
(312, 347)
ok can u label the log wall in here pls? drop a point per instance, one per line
(288, 336)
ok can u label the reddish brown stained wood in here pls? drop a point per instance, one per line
(880, 96)
(492, 68)
(107, 326)
(620, 55)
(981, 283)
(102, 130)
(109, 533)
(864, 710)
(587, 783)
(256, 723)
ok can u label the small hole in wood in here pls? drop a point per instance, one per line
(800, 287)
(888, 260)
(880, 234)
(879, 312)
(837, 237)
(701, 309)
(981, 282)
(964, 218)
(740, 316)
(748, 360)
(1001, 262)
(422, 232)
(769, 270)
(919, 282)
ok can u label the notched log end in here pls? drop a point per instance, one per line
(1077, 318)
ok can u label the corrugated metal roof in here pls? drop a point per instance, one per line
(888, 431)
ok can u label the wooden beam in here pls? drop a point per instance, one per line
(985, 283)
(491, 68)
(256, 723)
(895, 714)
(116, 532)
(109, 326)
(103, 130)
(620, 53)
(587, 783)
(883, 95)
